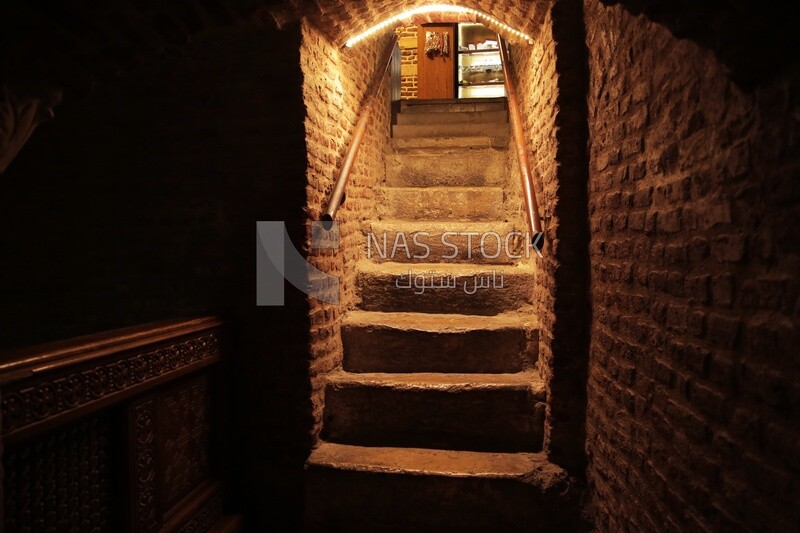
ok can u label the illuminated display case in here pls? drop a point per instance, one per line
(480, 71)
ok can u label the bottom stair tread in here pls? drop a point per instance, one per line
(425, 461)
(408, 489)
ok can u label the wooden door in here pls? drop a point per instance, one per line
(436, 70)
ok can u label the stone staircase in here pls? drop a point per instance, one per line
(436, 418)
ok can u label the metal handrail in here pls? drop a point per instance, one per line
(515, 116)
(338, 194)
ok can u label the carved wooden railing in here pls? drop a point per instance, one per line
(337, 196)
(515, 115)
(114, 432)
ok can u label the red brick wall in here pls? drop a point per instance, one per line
(335, 81)
(693, 381)
(408, 82)
(549, 81)
(537, 86)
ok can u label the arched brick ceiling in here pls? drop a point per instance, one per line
(341, 19)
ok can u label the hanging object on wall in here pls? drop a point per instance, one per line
(437, 43)
(19, 116)
(433, 43)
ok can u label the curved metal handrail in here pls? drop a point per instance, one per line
(515, 116)
(338, 193)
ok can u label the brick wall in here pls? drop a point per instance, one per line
(409, 49)
(693, 382)
(138, 202)
(549, 82)
(537, 87)
(335, 81)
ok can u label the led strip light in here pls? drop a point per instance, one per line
(436, 8)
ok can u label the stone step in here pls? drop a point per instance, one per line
(410, 489)
(490, 243)
(442, 203)
(453, 105)
(479, 412)
(449, 130)
(447, 167)
(461, 117)
(418, 342)
(398, 287)
(412, 144)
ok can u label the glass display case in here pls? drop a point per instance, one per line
(480, 70)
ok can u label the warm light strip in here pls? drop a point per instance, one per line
(436, 8)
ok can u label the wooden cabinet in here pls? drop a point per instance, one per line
(480, 70)
(120, 431)
(458, 61)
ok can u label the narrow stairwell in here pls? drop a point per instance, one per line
(436, 418)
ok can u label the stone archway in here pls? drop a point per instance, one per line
(555, 117)
(339, 20)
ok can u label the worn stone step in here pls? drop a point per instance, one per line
(419, 342)
(495, 242)
(460, 117)
(480, 412)
(450, 130)
(477, 142)
(453, 105)
(398, 287)
(453, 167)
(443, 203)
(411, 489)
